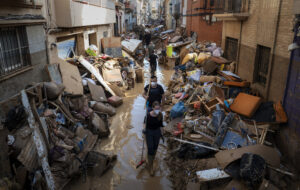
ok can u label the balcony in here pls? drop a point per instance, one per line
(77, 13)
(232, 10)
(36, 4)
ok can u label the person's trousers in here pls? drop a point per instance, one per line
(153, 68)
(152, 140)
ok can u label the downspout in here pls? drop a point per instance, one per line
(240, 40)
(273, 50)
(47, 29)
(239, 49)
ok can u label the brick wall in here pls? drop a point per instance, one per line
(260, 29)
(205, 31)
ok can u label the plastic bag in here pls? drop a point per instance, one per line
(217, 117)
(188, 57)
(202, 57)
(178, 110)
(195, 75)
(217, 52)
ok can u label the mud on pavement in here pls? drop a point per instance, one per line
(126, 141)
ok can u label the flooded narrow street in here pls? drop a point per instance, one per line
(126, 142)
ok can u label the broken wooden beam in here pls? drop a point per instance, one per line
(96, 73)
(39, 142)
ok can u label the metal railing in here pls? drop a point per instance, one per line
(21, 3)
(14, 49)
(110, 4)
(29, 2)
(231, 6)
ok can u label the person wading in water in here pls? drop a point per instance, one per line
(153, 133)
(156, 93)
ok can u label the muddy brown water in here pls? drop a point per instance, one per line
(126, 142)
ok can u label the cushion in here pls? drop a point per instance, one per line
(245, 104)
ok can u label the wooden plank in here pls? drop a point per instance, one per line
(96, 73)
(131, 45)
(97, 93)
(113, 75)
(269, 154)
(38, 142)
(54, 73)
(111, 42)
(71, 78)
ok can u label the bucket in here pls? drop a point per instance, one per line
(169, 51)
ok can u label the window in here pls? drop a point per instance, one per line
(231, 47)
(14, 49)
(66, 47)
(93, 39)
(261, 64)
(105, 34)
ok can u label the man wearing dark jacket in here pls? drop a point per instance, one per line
(147, 38)
(153, 63)
(156, 93)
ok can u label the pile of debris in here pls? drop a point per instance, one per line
(220, 129)
(48, 131)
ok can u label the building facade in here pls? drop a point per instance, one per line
(130, 15)
(75, 25)
(257, 34)
(23, 53)
(199, 18)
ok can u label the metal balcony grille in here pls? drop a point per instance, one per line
(231, 47)
(14, 49)
(101, 3)
(262, 64)
(231, 6)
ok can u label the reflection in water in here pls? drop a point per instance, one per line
(126, 141)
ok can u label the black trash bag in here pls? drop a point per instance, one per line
(15, 118)
(233, 169)
(252, 169)
(188, 151)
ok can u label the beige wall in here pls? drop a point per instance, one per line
(74, 14)
(260, 29)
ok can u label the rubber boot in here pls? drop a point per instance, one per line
(150, 164)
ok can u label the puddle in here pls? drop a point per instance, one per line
(126, 142)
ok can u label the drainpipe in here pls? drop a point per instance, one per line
(239, 48)
(273, 50)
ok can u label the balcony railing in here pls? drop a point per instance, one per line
(22, 3)
(109, 4)
(232, 10)
(231, 6)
